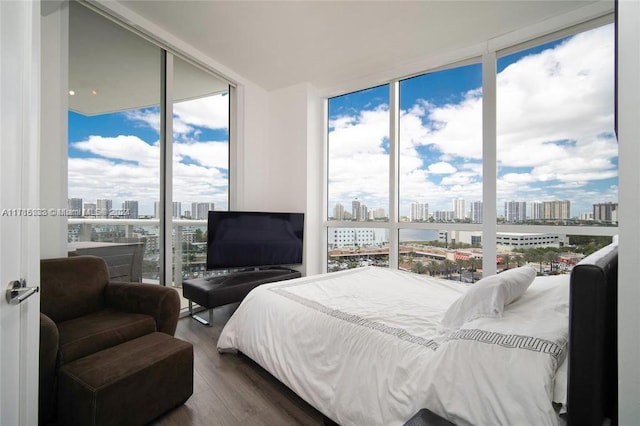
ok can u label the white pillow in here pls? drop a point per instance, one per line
(489, 296)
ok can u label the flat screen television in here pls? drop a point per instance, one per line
(253, 239)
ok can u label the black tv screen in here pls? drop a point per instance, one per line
(253, 239)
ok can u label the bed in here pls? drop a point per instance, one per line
(375, 345)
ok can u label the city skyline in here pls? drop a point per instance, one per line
(513, 211)
(79, 207)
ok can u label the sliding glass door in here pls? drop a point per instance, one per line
(113, 151)
(200, 163)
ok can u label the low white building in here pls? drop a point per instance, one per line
(517, 240)
(352, 237)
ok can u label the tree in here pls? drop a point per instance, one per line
(448, 267)
(518, 260)
(410, 259)
(472, 267)
(418, 268)
(538, 254)
(551, 257)
(434, 267)
(460, 262)
(506, 260)
(532, 256)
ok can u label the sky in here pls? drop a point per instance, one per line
(116, 156)
(555, 118)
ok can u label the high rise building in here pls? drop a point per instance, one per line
(177, 209)
(74, 206)
(515, 211)
(364, 212)
(338, 212)
(418, 212)
(103, 207)
(443, 215)
(89, 209)
(355, 210)
(476, 212)
(605, 212)
(131, 209)
(200, 211)
(535, 210)
(458, 209)
(379, 213)
(557, 209)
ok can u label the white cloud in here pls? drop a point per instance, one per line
(358, 163)
(149, 117)
(126, 167)
(210, 112)
(95, 178)
(441, 168)
(122, 148)
(207, 154)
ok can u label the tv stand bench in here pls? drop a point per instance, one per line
(221, 290)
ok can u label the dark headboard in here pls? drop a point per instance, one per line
(593, 343)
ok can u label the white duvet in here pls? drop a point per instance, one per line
(365, 347)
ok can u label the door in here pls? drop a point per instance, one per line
(19, 223)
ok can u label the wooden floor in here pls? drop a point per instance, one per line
(231, 389)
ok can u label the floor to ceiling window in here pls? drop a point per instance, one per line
(200, 163)
(557, 154)
(556, 158)
(116, 176)
(440, 170)
(358, 173)
(113, 163)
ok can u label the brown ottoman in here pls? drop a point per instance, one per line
(131, 383)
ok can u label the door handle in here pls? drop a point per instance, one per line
(17, 291)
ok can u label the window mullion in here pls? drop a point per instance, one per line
(489, 163)
(166, 168)
(394, 133)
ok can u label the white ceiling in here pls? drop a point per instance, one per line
(279, 44)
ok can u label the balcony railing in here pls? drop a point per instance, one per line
(105, 235)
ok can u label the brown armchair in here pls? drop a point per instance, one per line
(84, 313)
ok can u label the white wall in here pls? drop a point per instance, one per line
(53, 142)
(287, 148)
(283, 171)
(315, 233)
(629, 225)
(251, 146)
